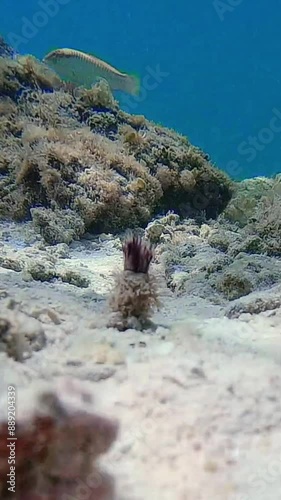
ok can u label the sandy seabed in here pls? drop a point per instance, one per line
(198, 400)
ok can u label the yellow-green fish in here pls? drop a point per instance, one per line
(84, 70)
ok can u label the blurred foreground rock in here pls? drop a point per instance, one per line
(59, 438)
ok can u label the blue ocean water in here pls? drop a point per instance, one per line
(214, 65)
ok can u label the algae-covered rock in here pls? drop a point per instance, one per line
(73, 278)
(234, 285)
(246, 196)
(25, 72)
(218, 262)
(11, 263)
(44, 269)
(39, 270)
(75, 149)
(251, 244)
(255, 303)
(220, 238)
(99, 97)
(154, 231)
(60, 226)
(266, 223)
(256, 207)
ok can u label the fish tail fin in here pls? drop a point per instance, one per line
(132, 85)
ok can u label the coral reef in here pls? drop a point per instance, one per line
(66, 149)
(59, 439)
(135, 292)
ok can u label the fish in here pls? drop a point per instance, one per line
(82, 69)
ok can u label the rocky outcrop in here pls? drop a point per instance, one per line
(68, 149)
